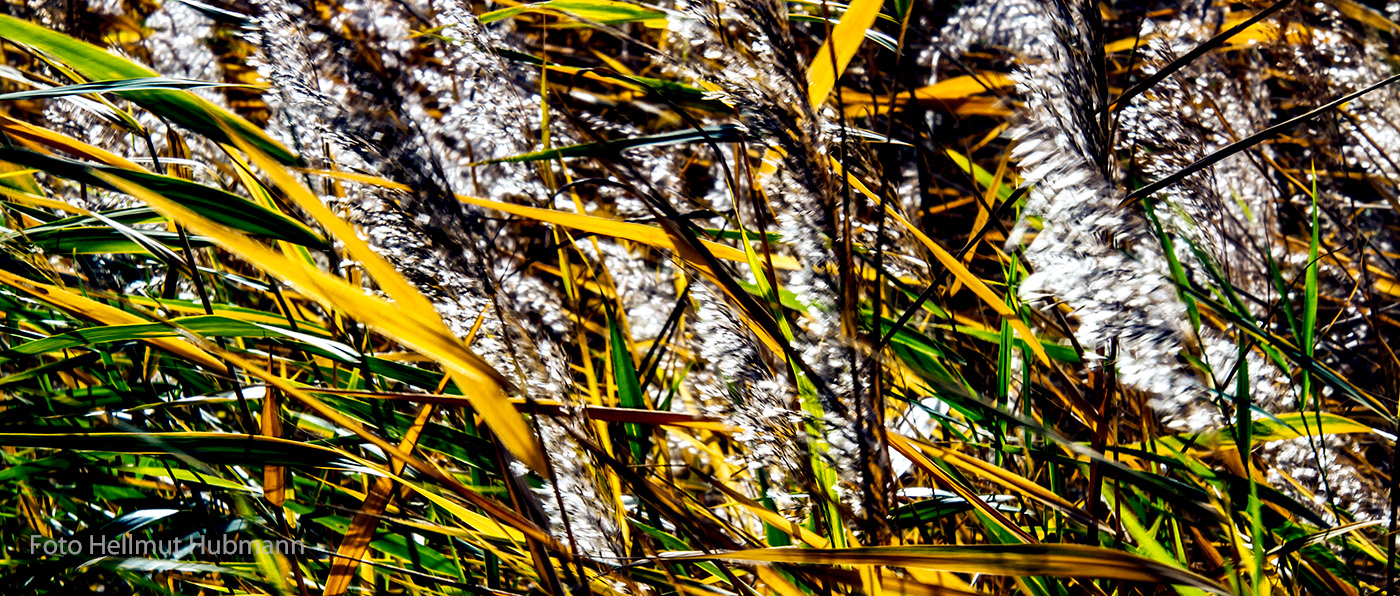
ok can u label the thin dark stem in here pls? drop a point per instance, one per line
(1250, 141)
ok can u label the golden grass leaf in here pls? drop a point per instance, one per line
(836, 52)
(592, 224)
(92, 310)
(54, 140)
(357, 537)
(907, 449)
(1054, 560)
(956, 268)
(479, 382)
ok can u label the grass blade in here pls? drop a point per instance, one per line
(137, 84)
(836, 52)
(480, 383)
(1054, 560)
(179, 106)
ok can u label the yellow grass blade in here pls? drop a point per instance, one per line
(1283, 427)
(639, 233)
(1055, 560)
(906, 448)
(957, 93)
(956, 268)
(274, 477)
(357, 537)
(32, 200)
(999, 475)
(634, 232)
(952, 88)
(32, 135)
(405, 296)
(845, 39)
(92, 310)
(1320, 537)
(482, 385)
(771, 518)
(499, 514)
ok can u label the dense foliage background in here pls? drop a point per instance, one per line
(699, 297)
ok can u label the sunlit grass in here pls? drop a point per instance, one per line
(837, 384)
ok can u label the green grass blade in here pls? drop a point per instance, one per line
(137, 84)
(218, 205)
(629, 389)
(607, 12)
(179, 106)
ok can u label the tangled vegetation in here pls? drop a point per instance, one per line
(699, 297)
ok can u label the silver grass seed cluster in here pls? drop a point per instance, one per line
(453, 264)
(759, 73)
(1106, 264)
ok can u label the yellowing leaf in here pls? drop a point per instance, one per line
(955, 88)
(357, 536)
(957, 269)
(29, 133)
(1055, 560)
(481, 384)
(641, 234)
(607, 12)
(628, 231)
(1002, 476)
(906, 448)
(634, 232)
(1283, 427)
(831, 59)
(497, 512)
(87, 308)
(407, 298)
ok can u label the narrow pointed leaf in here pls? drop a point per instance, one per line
(179, 106)
(1054, 560)
(481, 383)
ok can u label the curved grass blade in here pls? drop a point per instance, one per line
(360, 531)
(129, 216)
(592, 224)
(606, 12)
(136, 84)
(29, 134)
(643, 234)
(216, 204)
(179, 106)
(205, 325)
(721, 133)
(1054, 560)
(426, 335)
(1281, 427)
(206, 447)
(484, 385)
(500, 516)
(91, 240)
(906, 448)
(1302, 542)
(87, 308)
(403, 293)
